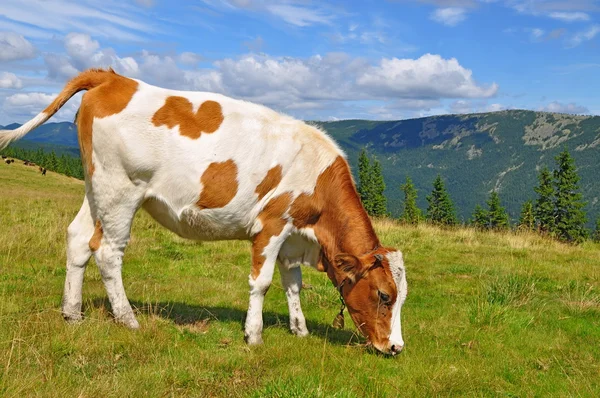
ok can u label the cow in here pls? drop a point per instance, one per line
(210, 167)
(7, 161)
(43, 171)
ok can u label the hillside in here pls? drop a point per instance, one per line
(477, 153)
(474, 153)
(487, 314)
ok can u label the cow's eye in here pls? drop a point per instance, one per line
(384, 297)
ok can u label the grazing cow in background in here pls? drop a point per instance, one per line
(209, 167)
(7, 161)
(3, 157)
(43, 170)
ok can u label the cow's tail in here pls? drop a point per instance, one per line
(84, 81)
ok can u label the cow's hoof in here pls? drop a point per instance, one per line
(72, 318)
(300, 332)
(253, 340)
(129, 321)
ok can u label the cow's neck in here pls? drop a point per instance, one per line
(344, 226)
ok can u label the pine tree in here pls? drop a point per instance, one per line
(498, 218)
(410, 211)
(52, 161)
(440, 209)
(365, 181)
(371, 186)
(379, 200)
(527, 218)
(480, 218)
(544, 204)
(569, 215)
(596, 235)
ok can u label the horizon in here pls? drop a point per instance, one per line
(51, 121)
(320, 61)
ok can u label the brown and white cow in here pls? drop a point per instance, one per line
(209, 167)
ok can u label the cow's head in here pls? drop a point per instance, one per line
(374, 289)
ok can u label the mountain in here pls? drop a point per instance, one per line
(63, 133)
(475, 154)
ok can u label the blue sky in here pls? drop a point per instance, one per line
(318, 60)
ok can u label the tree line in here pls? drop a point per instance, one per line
(557, 211)
(63, 164)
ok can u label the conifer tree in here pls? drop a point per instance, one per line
(527, 218)
(440, 209)
(371, 186)
(365, 181)
(480, 218)
(379, 201)
(411, 213)
(569, 215)
(498, 218)
(544, 204)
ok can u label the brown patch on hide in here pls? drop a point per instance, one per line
(219, 185)
(271, 180)
(96, 238)
(178, 111)
(271, 218)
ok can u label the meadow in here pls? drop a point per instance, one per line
(487, 314)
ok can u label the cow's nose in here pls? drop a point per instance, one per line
(396, 349)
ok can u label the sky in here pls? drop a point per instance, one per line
(314, 60)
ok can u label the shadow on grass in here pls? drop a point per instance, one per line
(188, 314)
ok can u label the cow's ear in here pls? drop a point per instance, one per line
(347, 267)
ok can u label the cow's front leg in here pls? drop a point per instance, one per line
(265, 248)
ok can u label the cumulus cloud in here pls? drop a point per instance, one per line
(301, 86)
(24, 106)
(83, 52)
(10, 80)
(14, 47)
(450, 16)
(559, 107)
(429, 76)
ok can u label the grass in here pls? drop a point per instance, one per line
(497, 314)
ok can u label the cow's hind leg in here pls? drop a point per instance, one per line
(291, 279)
(79, 234)
(115, 217)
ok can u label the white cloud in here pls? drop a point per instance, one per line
(10, 80)
(583, 36)
(294, 12)
(450, 16)
(460, 107)
(497, 108)
(14, 47)
(569, 16)
(83, 52)
(189, 58)
(559, 107)
(112, 19)
(23, 106)
(429, 76)
(300, 16)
